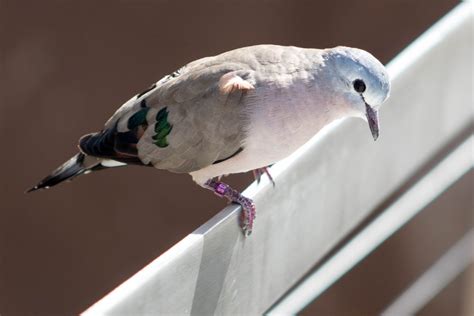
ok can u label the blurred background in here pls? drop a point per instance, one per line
(65, 66)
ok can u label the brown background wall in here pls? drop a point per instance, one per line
(65, 66)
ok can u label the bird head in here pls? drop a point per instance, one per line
(361, 83)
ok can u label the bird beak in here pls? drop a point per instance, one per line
(373, 120)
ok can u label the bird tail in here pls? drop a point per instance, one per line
(76, 166)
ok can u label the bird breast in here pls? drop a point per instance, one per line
(281, 116)
(283, 119)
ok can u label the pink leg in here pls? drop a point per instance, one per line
(248, 207)
(257, 174)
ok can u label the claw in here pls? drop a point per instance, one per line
(257, 174)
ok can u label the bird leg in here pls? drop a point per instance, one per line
(257, 174)
(248, 207)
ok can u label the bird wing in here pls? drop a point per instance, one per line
(195, 119)
(186, 121)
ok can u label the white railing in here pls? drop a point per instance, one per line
(322, 192)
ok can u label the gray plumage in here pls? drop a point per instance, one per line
(208, 126)
(238, 111)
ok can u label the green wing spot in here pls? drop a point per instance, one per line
(137, 119)
(162, 128)
(162, 115)
(160, 125)
(162, 133)
(161, 143)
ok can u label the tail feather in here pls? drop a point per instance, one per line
(67, 171)
(110, 144)
(106, 149)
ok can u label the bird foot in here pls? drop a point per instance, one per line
(248, 214)
(257, 174)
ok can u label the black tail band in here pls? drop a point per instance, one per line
(67, 171)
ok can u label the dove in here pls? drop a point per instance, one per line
(238, 111)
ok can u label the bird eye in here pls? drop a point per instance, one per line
(359, 85)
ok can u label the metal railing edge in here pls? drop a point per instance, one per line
(438, 180)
